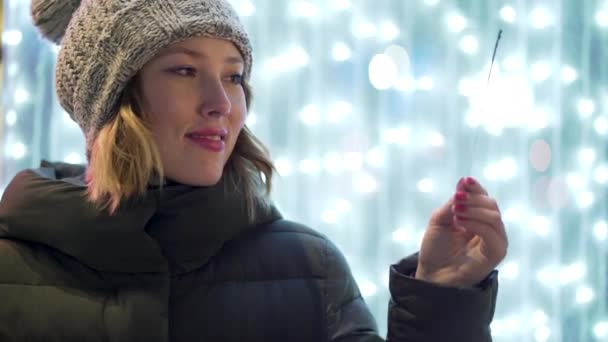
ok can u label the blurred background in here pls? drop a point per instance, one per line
(373, 110)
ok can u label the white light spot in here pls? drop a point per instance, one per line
(18, 150)
(601, 329)
(467, 87)
(600, 174)
(401, 58)
(375, 157)
(586, 107)
(572, 273)
(436, 139)
(569, 74)
(584, 295)
(601, 18)
(425, 83)
(508, 14)
(456, 22)
(284, 166)
(21, 96)
(310, 166)
(541, 18)
(12, 37)
(513, 214)
(542, 334)
(540, 72)
(73, 158)
(12, 69)
(585, 199)
(382, 72)
(512, 63)
(576, 182)
(388, 31)
(11, 118)
(364, 29)
(469, 44)
(539, 119)
(332, 162)
(397, 136)
(341, 5)
(329, 216)
(601, 125)
(600, 230)
(251, 120)
(586, 156)
(339, 111)
(504, 170)
(539, 318)
(341, 52)
(368, 288)
(294, 58)
(353, 161)
(343, 206)
(365, 183)
(510, 270)
(310, 115)
(245, 8)
(304, 9)
(540, 225)
(406, 83)
(425, 185)
(401, 235)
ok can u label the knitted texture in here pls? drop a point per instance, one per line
(104, 43)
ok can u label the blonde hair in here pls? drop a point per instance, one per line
(124, 159)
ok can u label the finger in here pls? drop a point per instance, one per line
(490, 217)
(476, 200)
(469, 184)
(443, 215)
(496, 245)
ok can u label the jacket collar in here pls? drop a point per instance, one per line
(177, 228)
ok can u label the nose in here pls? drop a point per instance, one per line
(215, 100)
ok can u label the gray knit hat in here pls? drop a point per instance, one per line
(104, 43)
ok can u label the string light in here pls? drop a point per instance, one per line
(341, 52)
(508, 14)
(366, 106)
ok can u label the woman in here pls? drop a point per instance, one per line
(168, 233)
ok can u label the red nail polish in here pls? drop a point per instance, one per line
(460, 196)
(471, 181)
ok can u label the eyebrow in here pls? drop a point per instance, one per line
(196, 54)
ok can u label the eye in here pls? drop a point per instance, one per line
(184, 71)
(236, 79)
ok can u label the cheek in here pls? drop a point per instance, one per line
(163, 107)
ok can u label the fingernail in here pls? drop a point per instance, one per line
(460, 218)
(471, 181)
(460, 196)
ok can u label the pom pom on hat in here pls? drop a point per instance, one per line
(52, 17)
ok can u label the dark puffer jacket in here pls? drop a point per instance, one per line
(182, 264)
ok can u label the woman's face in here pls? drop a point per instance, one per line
(193, 99)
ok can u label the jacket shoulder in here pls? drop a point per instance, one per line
(281, 249)
(29, 263)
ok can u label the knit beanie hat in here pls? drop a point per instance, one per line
(104, 43)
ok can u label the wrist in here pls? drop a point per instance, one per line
(440, 279)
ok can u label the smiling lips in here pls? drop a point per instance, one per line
(210, 139)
